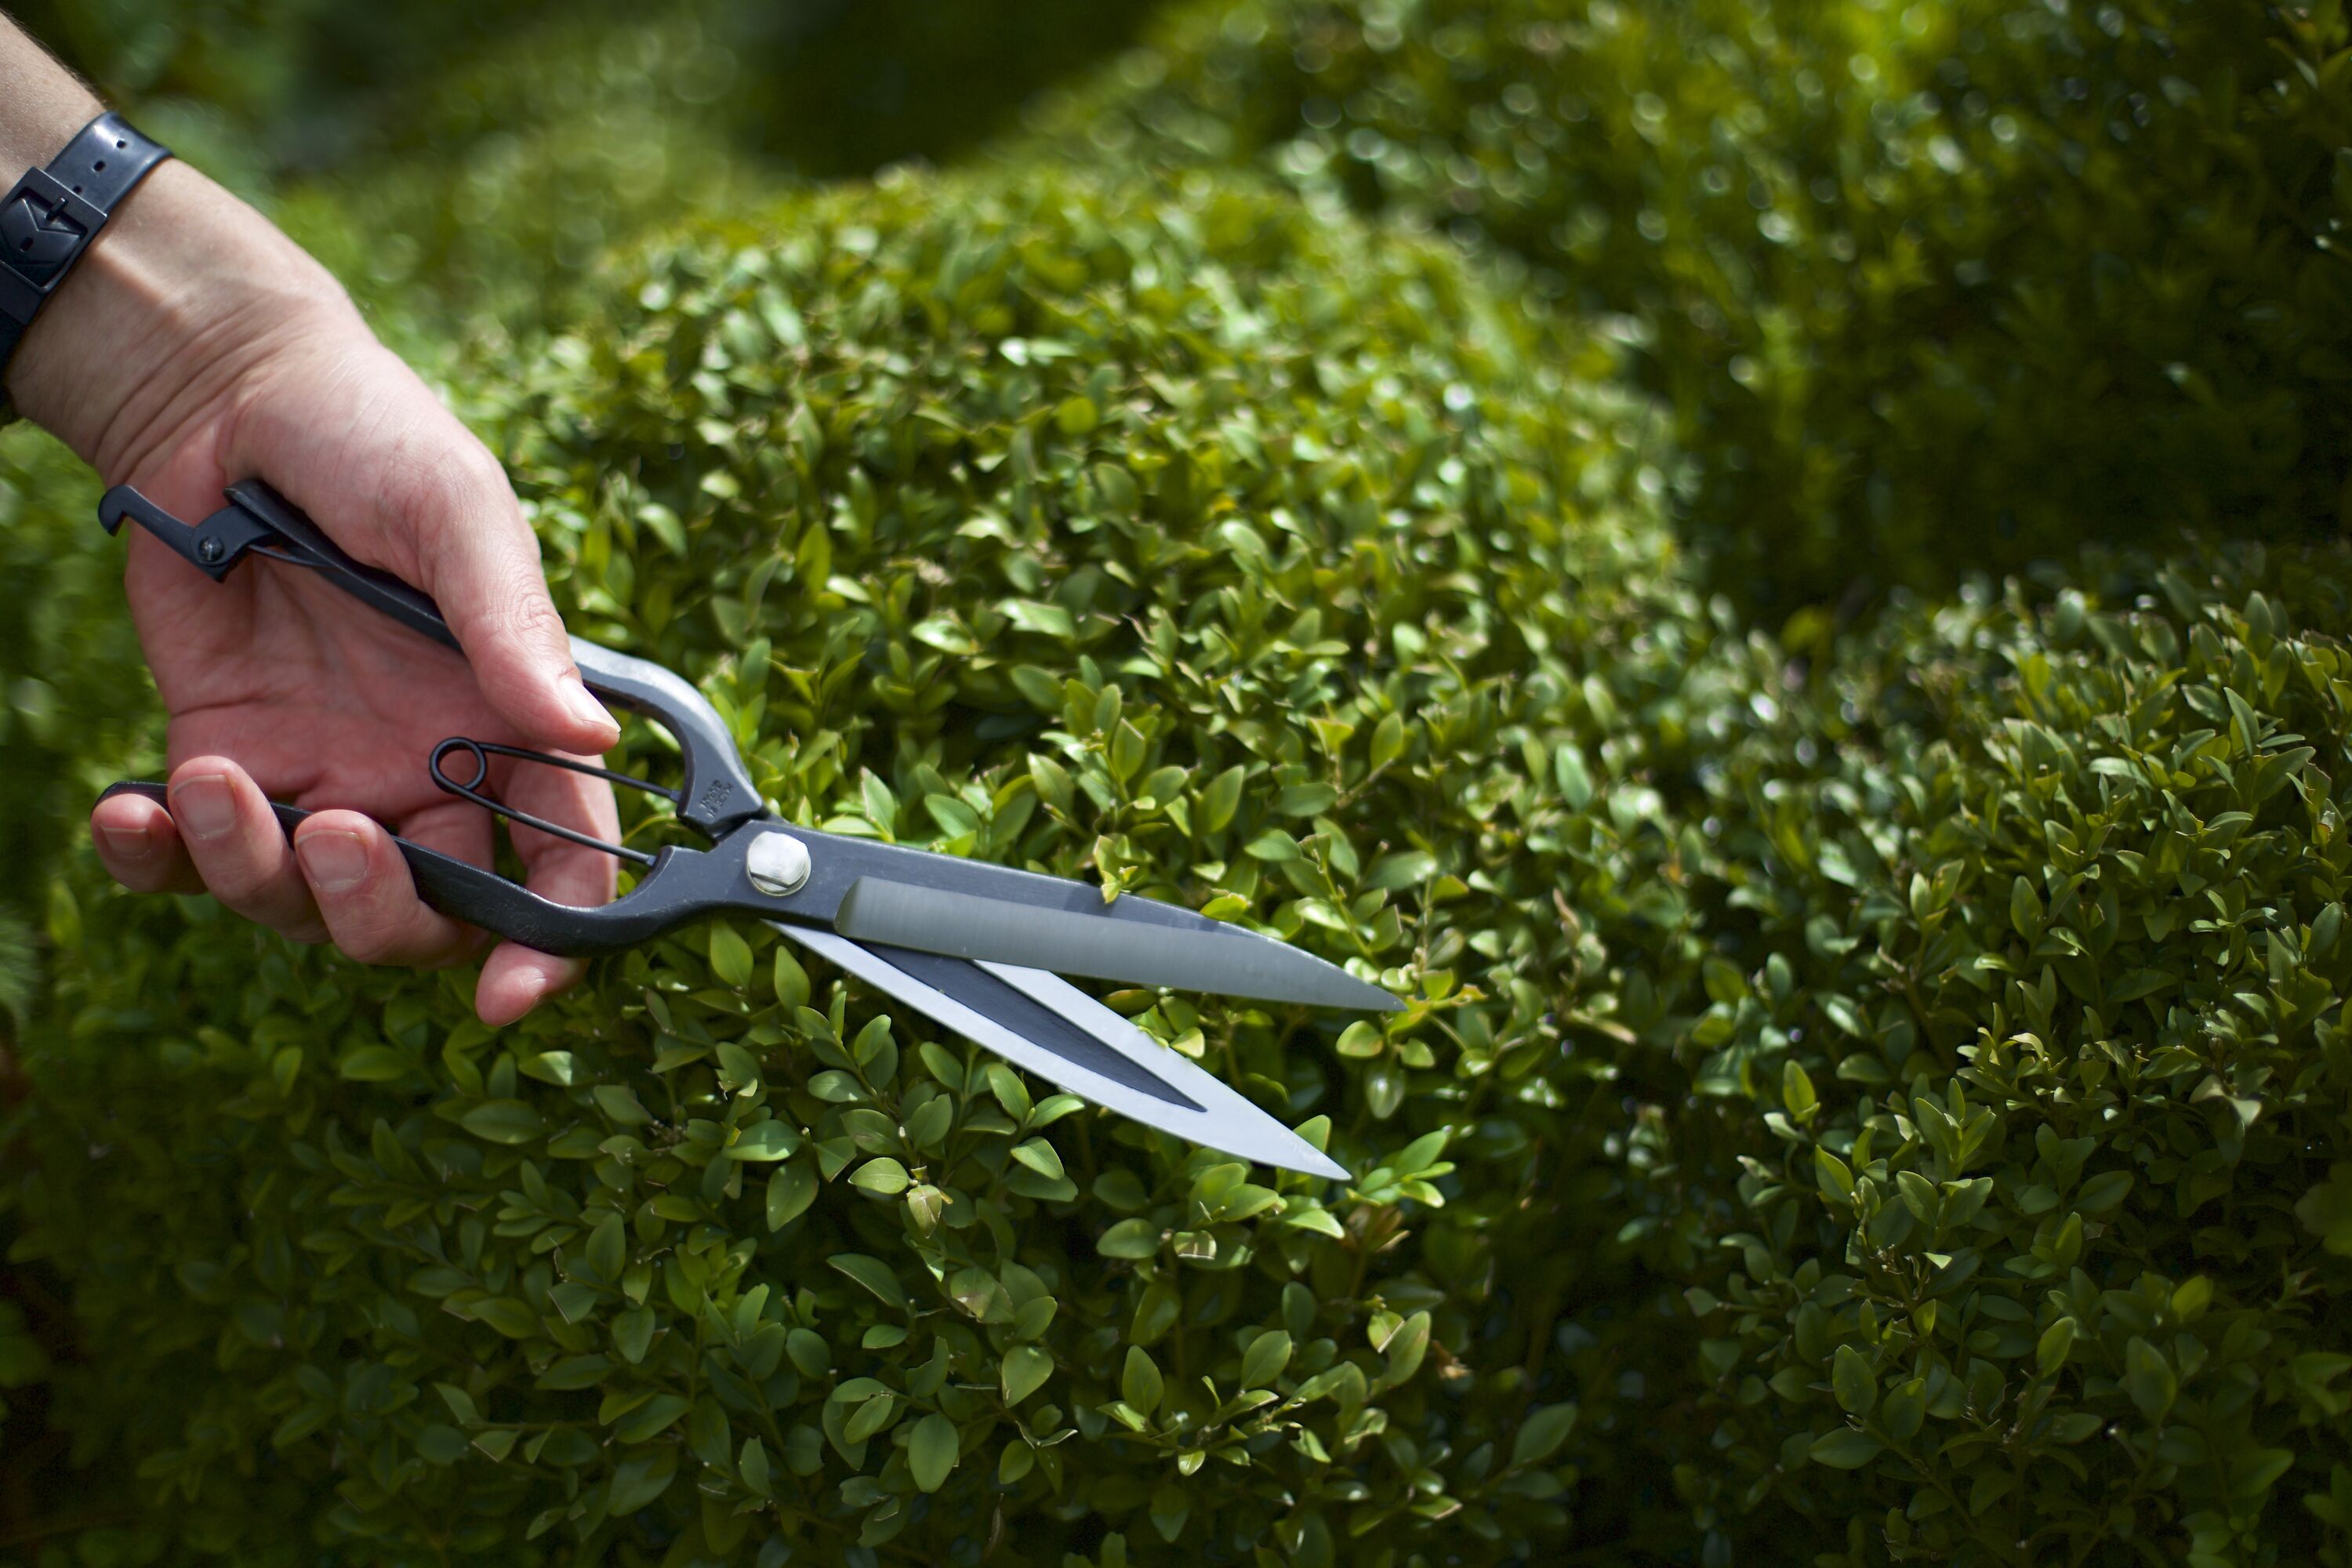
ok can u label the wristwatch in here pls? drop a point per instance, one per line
(51, 215)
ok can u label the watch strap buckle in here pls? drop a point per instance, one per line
(44, 225)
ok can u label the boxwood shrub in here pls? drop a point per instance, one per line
(2033, 1247)
(1931, 287)
(1185, 541)
(72, 684)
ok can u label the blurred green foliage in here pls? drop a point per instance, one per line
(822, 88)
(1932, 287)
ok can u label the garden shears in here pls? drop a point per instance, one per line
(977, 947)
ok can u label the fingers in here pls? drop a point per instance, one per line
(342, 878)
(514, 977)
(140, 848)
(367, 899)
(231, 842)
(482, 567)
(405, 485)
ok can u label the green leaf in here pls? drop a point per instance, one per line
(1273, 844)
(503, 1121)
(873, 1274)
(1007, 1085)
(620, 1105)
(884, 1177)
(931, 1452)
(2051, 1351)
(641, 1478)
(1140, 1383)
(2149, 1378)
(1851, 1379)
(1131, 1239)
(730, 955)
(633, 1334)
(1845, 1448)
(2102, 1193)
(792, 979)
(791, 1190)
(1039, 1156)
(753, 1465)
(508, 1316)
(1405, 1349)
(1797, 1096)
(1222, 799)
(376, 1064)
(1265, 1359)
(1546, 1426)
(608, 1246)
(439, 1445)
(1024, 1371)
(764, 1141)
(654, 1417)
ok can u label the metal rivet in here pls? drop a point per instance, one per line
(209, 549)
(778, 864)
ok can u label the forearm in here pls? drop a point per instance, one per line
(41, 103)
(166, 307)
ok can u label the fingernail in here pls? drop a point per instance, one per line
(333, 861)
(126, 843)
(205, 805)
(586, 709)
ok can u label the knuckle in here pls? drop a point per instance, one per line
(525, 619)
(442, 487)
(364, 931)
(248, 889)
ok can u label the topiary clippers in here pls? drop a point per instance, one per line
(978, 947)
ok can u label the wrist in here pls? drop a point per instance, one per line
(185, 292)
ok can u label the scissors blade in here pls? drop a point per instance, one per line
(902, 897)
(1098, 940)
(1040, 1022)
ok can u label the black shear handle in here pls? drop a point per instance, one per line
(696, 885)
(469, 893)
(715, 791)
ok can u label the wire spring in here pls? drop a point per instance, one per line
(483, 750)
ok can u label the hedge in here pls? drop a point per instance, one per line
(1195, 543)
(1867, 1098)
(1932, 287)
(2034, 1248)
(72, 684)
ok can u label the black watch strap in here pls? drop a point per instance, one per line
(49, 219)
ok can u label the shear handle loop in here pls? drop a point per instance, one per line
(480, 751)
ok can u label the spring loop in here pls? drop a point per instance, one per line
(482, 750)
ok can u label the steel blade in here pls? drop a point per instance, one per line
(1224, 959)
(1044, 1025)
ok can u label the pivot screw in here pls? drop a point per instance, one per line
(778, 864)
(209, 549)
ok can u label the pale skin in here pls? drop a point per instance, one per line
(194, 346)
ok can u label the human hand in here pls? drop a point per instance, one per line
(197, 346)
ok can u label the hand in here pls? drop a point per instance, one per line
(222, 351)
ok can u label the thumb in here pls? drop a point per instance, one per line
(480, 560)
